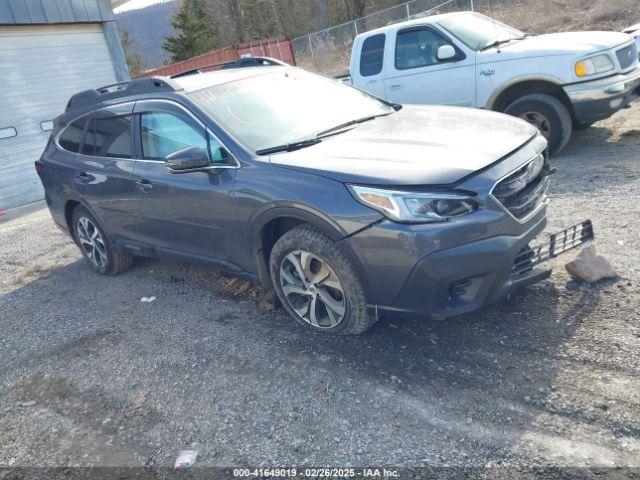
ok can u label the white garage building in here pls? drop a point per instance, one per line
(49, 49)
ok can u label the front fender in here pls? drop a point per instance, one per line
(500, 89)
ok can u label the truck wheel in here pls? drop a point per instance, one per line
(548, 114)
(96, 247)
(317, 284)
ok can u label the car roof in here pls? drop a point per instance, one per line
(417, 21)
(199, 81)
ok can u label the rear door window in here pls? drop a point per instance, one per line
(372, 55)
(108, 136)
(71, 138)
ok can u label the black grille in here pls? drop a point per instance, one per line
(627, 55)
(524, 190)
(558, 243)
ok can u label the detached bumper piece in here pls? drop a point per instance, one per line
(558, 243)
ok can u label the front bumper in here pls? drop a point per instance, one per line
(463, 279)
(598, 99)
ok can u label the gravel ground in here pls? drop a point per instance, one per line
(91, 376)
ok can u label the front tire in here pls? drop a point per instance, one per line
(317, 283)
(95, 245)
(548, 114)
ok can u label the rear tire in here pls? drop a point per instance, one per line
(548, 114)
(97, 249)
(317, 283)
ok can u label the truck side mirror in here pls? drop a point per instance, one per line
(445, 52)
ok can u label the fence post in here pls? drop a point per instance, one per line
(472, 9)
(408, 11)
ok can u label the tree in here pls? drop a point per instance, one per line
(195, 35)
(134, 59)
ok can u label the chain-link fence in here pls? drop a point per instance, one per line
(328, 51)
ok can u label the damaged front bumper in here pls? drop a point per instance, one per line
(463, 279)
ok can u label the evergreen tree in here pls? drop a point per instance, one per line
(195, 35)
(134, 59)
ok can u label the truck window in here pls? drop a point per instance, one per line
(418, 47)
(372, 55)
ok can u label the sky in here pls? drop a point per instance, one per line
(136, 4)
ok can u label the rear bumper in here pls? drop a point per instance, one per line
(599, 99)
(463, 279)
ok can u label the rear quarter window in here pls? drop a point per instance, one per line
(372, 55)
(71, 138)
(108, 136)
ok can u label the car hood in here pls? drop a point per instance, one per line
(566, 43)
(418, 145)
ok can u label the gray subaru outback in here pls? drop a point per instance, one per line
(351, 208)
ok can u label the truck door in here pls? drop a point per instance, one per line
(368, 73)
(415, 74)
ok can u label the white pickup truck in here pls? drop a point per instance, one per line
(555, 81)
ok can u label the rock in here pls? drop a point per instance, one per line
(186, 458)
(139, 400)
(589, 266)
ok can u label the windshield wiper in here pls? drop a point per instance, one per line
(342, 126)
(497, 43)
(289, 147)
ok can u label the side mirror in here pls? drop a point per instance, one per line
(187, 159)
(445, 52)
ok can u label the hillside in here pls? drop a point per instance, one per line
(150, 25)
(544, 16)
(147, 28)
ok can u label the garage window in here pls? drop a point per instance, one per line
(71, 138)
(8, 132)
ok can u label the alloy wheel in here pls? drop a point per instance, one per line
(539, 121)
(312, 289)
(91, 242)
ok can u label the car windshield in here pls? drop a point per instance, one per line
(478, 32)
(285, 107)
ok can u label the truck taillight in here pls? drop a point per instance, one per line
(39, 166)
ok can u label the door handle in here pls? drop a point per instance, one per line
(371, 82)
(395, 87)
(144, 184)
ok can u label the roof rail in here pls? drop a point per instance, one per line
(239, 63)
(122, 89)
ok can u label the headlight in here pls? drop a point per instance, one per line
(414, 207)
(593, 65)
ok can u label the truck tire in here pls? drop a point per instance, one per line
(97, 249)
(548, 114)
(317, 283)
